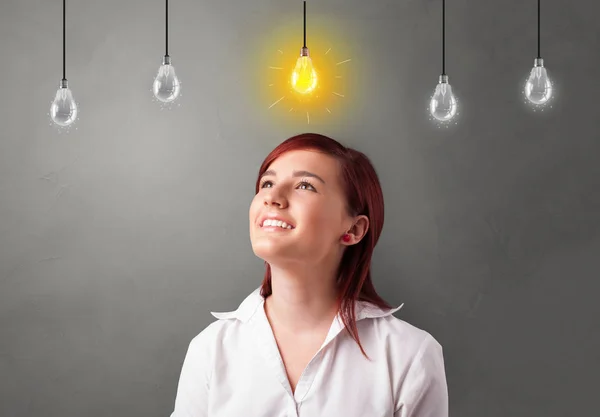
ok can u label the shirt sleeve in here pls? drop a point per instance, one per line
(425, 390)
(192, 390)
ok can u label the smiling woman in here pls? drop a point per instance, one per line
(291, 346)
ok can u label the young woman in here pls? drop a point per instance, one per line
(314, 339)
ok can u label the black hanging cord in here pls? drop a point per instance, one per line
(305, 23)
(539, 54)
(167, 28)
(443, 37)
(64, 43)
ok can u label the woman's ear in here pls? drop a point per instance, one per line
(358, 230)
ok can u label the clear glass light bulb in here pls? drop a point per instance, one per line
(443, 103)
(63, 109)
(166, 86)
(304, 76)
(538, 88)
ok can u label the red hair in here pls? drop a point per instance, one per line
(364, 197)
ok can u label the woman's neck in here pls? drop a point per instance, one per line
(301, 301)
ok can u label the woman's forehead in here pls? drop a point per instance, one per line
(305, 160)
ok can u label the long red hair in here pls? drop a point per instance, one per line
(364, 197)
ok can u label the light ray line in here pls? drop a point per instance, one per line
(276, 102)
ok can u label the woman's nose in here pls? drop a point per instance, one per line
(275, 197)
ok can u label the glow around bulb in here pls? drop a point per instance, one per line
(538, 88)
(166, 86)
(304, 76)
(443, 104)
(63, 110)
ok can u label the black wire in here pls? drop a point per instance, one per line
(64, 43)
(167, 28)
(443, 37)
(305, 23)
(539, 53)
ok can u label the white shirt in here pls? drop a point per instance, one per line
(233, 369)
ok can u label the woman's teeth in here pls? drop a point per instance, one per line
(279, 223)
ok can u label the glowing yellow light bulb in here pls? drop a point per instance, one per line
(304, 76)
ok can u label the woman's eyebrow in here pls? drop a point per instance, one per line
(271, 172)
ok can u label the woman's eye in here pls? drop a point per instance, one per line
(306, 186)
(264, 184)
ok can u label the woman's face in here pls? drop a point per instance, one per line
(301, 197)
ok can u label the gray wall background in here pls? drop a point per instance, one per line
(117, 239)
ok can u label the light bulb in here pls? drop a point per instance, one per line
(166, 84)
(443, 103)
(538, 88)
(304, 76)
(63, 109)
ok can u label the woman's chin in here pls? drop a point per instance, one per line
(273, 252)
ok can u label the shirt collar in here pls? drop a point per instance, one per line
(253, 301)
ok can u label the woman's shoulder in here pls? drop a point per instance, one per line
(228, 323)
(214, 333)
(399, 334)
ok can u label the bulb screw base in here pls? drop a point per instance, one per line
(443, 79)
(538, 62)
(166, 60)
(304, 51)
(64, 84)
